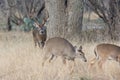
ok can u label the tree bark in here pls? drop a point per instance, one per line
(9, 26)
(75, 17)
(65, 18)
(114, 19)
(110, 13)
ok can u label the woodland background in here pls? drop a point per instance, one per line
(82, 22)
(85, 20)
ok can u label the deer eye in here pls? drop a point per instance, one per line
(79, 50)
(80, 54)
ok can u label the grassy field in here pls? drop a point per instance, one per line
(20, 60)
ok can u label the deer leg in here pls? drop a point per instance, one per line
(100, 63)
(39, 44)
(51, 58)
(44, 59)
(64, 60)
(92, 62)
(42, 44)
(35, 43)
(72, 68)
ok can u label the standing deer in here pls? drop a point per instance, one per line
(104, 52)
(57, 46)
(39, 34)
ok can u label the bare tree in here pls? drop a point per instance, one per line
(109, 11)
(65, 18)
(18, 9)
(5, 12)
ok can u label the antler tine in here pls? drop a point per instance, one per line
(45, 18)
(36, 23)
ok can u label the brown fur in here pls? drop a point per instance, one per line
(104, 52)
(39, 38)
(57, 46)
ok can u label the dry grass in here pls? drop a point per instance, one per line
(20, 60)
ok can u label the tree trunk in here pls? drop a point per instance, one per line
(7, 17)
(65, 18)
(75, 16)
(9, 26)
(114, 20)
(109, 11)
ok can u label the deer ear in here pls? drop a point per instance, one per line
(80, 48)
(118, 58)
(75, 47)
(35, 24)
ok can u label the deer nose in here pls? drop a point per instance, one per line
(85, 60)
(42, 32)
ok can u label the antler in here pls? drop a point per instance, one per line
(45, 19)
(37, 24)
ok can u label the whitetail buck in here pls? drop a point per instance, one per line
(39, 34)
(57, 46)
(104, 52)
